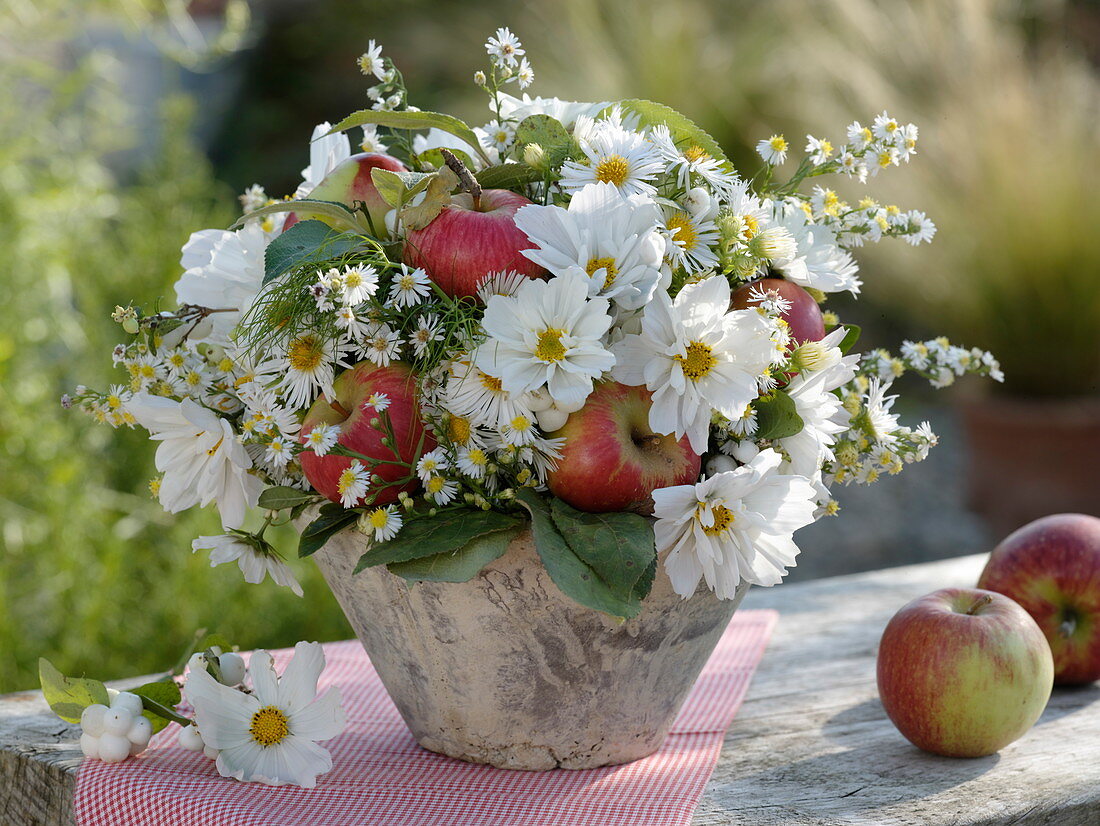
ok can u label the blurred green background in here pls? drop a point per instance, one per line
(127, 124)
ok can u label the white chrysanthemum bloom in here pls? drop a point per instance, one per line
(357, 283)
(819, 262)
(381, 344)
(877, 417)
(382, 523)
(200, 457)
(432, 464)
(222, 271)
(505, 47)
(269, 735)
(440, 490)
(371, 142)
(696, 357)
(308, 366)
(371, 63)
(321, 438)
(254, 564)
(773, 150)
(734, 526)
(326, 152)
(691, 240)
(352, 484)
(410, 287)
(471, 391)
(265, 413)
(504, 282)
(616, 155)
(548, 335)
(427, 331)
(613, 242)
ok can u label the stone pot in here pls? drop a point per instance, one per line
(507, 670)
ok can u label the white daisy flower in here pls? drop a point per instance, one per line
(254, 563)
(524, 75)
(321, 438)
(615, 155)
(696, 356)
(427, 331)
(410, 287)
(734, 526)
(308, 366)
(773, 150)
(820, 150)
(269, 735)
(440, 490)
(505, 47)
(200, 457)
(499, 135)
(611, 241)
(818, 261)
(383, 523)
(472, 391)
(353, 483)
(371, 142)
(878, 419)
(358, 282)
(326, 152)
(691, 241)
(548, 335)
(472, 461)
(504, 282)
(432, 464)
(371, 63)
(381, 344)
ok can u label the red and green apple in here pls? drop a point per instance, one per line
(804, 316)
(350, 182)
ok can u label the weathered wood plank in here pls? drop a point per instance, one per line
(811, 744)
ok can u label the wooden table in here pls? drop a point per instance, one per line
(810, 745)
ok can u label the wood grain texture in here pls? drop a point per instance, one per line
(811, 744)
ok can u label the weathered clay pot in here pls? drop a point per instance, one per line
(507, 670)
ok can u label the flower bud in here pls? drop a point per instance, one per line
(131, 326)
(479, 78)
(814, 356)
(773, 244)
(534, 155)
(720, 463)
(698, 202)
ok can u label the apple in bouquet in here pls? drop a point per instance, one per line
(612, 459)
(963, 672)
(350, 182)
(804, 316)
(1052, 568)
(350, 410)
(470, 238)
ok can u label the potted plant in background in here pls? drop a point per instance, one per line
(544, 397)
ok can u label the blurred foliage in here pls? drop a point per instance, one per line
(93, 573)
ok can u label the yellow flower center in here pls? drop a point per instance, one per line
(723, 518)
(347, 479)
(305, 354)
(695, 153)
(826, 149)
(698, 362)
(379, 518)
(612, 170)
(751, 226)
(458, 430)
(269, 726)
(476, 457)
(490, 383)
(865, 134)
(435, 484)
(778, 143)
(608, 264)
(352, 280)
(521, 423)
(549, 347)
(686, 236)
(407, 282)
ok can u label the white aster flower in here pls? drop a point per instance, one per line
(505, 47)
(691, 241)
(734, 526)
(472, 461)
(887, 129)
(381, 344)
(500, 135)
(519, 430)
(200, 457)
(321, 438)
(504, 282)
(818, 262)
(471, 391)
(611, 241)
(878, 419)
(308, 366)
(269, 735)
(565, 112)
(254, 563)
(432, 464)
(410, 287)
(326, 152)
(524, 75)
(252, 198)
(353, 483)
(371, 142)
(924, 230)
(773, 150)
(615, 155)
(691, 159)
(358, 282)
(820, 150)
(427, 331)
(371, 63)
(440, 489)
(378, 401)
(350, 323)
(382, 523)
(548, 335)
(696, 357)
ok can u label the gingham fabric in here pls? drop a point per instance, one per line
(381, 777)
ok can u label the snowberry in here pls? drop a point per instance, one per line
(232, 668)
(113, 748)
(190, 738)
(89, 745)
(91, 719)
(211, 752)
(128, 701)
(117, 721)
(140, 732)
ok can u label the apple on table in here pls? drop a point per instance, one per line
(963, 672)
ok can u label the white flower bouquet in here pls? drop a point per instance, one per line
(578, 318)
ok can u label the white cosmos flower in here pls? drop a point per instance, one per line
(818, 262)
(696, 356)
(254, 564)
(548, 335)
(200, 457)
(325, 154)
(223, 271)
(615, 155)
(612, 241)
(734, 526)
(271, 735)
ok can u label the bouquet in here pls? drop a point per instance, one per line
(578, 318)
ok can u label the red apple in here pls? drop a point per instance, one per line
(804, 316)
(462, 244)
(347, 409)
(612, 459)
(1052, 568)
(964, 672)
(350, 182)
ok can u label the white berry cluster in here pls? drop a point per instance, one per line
(113, 733)
(232, 672)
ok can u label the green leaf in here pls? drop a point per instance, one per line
(460, 565)
(413, 120)
(431, 535)
(617, 546)
(214, 641)
(69, 696)
(508, 176)
(777, 417)
(440, 185)
(341, 214)
(321, 529)
(573, 576)
(304, 242)
(279, 498)
(164, 693)
(548, 133)
(396, 188)
(850, 339)
(685, 133)
(645, 583)
(435, 158)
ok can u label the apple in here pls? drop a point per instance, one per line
(964, 672)
(612, 460)
(804, 316)
(349, 409)
(350, 182)
(1052, 568)
(466, 242)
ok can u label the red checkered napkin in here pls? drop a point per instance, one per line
(381, 777)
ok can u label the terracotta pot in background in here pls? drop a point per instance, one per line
(506, 670)
(1032, 457)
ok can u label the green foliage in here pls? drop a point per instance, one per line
(278, 498)
(306, 242)
(458, 565)
(685, 133)
(548, 133)
(777, 417)
(617, 546)
(508, 176)
(160, 697)
(850, 338)
(413, 120)
(447, 531)
(397, 188)
(332, 518)
(69, 696)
